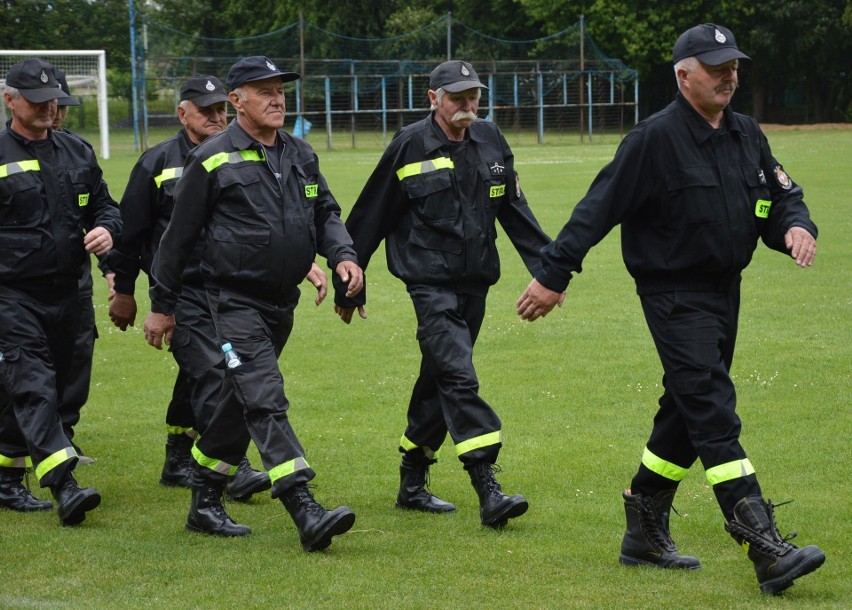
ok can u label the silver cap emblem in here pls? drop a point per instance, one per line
(720, 37)
(43, 78)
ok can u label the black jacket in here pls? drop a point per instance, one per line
(435, 204)
(260, 235)
(51, 192)
(691, 200)
(146, 208)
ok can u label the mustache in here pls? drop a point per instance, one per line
(463, 115)
(726, 87)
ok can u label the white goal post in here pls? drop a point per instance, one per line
(85, 72)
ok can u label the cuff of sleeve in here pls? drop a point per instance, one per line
(556, 284)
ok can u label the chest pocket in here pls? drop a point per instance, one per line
(758, 190)
(493, 176)
(432, 194)
(20, 199)
(308, 181)
(240, 186)
(694, 196)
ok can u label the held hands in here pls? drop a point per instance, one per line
(97, 241)
(538, 301)
(122, 310)
(802, 246)
(353, 276)
(320, 281)
(158, 329)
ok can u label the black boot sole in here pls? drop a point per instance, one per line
(438, 510)
(76, 512)
(515, 509)
(221, 533)
(785, 581)
(626, 560)
(341, 522)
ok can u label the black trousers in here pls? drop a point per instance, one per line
(37, 343)
(197, 352)
(253, 405)
(695, 334)
(446, 396)
(74, 391)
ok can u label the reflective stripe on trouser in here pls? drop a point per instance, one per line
(407, 445)
(288, 468)
(730, 471)
(478, 442)
(253, 405)
(54, 460)
(662, 467)
(446, 396)
(212, 463)
(15, 462)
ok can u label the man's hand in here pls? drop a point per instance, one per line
(345, 313)
(319, 280)
(122, 310)
(802, 246)
(98, 241)
(158, 329)
(538, 301)
(352, 276)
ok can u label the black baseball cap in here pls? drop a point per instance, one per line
(203, 91)
(710, 43)
(454, 76)
(63, 84)
(256, 67)
(34, 78)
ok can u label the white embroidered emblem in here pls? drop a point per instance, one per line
(720, 37)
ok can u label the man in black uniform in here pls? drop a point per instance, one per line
(693, 188)
(75, 392)
(255, 196)
(146, 208)
(57, 210)
(434, 198)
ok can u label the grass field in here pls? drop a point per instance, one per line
(576, 393)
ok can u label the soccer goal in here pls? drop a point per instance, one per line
(86, 75)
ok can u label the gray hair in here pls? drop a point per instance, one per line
(241, 93)
(440, 91)
(687, 63)
(13, 92)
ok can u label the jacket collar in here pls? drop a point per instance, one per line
(699, 127)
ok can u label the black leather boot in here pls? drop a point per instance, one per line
(316, 525)
(74, 501)
(413, 494)
(13, 494)
(206, 513)
(647, 541)
(495, 508)
(246, 482)
(177, 469)
(777, 563)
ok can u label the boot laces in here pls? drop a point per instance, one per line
(773, 526)
(653, 525)
(303, 497)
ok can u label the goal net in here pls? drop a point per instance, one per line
(86, 75)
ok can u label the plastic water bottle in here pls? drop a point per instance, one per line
(232, 358)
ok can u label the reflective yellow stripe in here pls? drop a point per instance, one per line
(238, 156)
(407, 445)
(30, 165)
(729, 471)
(477, 442)
(672, 472)
(54, 460)
(16, 462)
(288, 468)
(169, 173)
(424, 167)
(180, 430)
(761, 208)
(213, 464)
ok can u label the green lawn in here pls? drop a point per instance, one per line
(576, 393)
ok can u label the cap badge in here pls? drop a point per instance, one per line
(465, 71)
(720, 37)
(271, 66)
(43, 78)
(210, 86)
